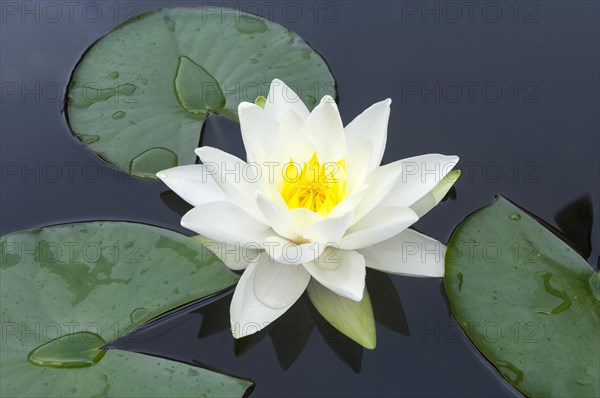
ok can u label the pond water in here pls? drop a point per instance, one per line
(511, 87)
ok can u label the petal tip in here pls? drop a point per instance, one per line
(277, 82)
(203, 151)
(369, 343)
(185, 220)
(246, 105)
(355, 296)
(161, 175)
(327, 99)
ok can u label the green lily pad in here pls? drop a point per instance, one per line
(140, 95)
(119, 374)
(67, 290)
(353, 319)
(526, 299)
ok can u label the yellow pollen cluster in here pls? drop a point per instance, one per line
(317, 187)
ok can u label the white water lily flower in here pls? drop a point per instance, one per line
(311, 201)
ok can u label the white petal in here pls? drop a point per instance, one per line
(292, 142)
(329, 229)
(305, 217)
(325, 126)
(235, 177)
(259, 130)
(248, 314)
(433, 197)
(379, 225)
(279, 218)
(341, 271)
(420, 174)
(350, 203)
(357, 165)
(371, 125)
(408, 253)
(379, 183)
(281, 98)
(271, 172)
(279, 285)
(235, 256)
(286, 252)
(225, 222)
(193, 184)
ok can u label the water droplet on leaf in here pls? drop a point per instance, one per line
(89, 139)
(84, 96)
(510, 371)
(149, 162)
(249, 24)
(138, 314)
(77, 350)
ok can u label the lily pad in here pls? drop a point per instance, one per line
(67, 290)
(139, 97)
(353, 319)
(527, 301)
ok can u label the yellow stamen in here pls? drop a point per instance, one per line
(317, 187)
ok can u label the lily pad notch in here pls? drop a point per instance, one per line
(80, 287)
(139, 96)
(527, 300)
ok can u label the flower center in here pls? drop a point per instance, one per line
(316, 186)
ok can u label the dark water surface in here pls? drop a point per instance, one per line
(511, 87)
